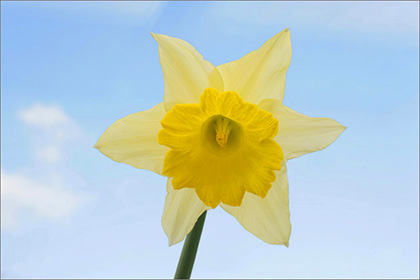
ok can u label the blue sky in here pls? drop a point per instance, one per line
(70, 69)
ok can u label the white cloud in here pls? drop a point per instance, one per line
(46, 116)
(45, 200)
(394, 17)
(52, 130)
(42, 191)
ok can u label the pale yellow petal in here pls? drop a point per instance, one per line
(260, 74)
(267, 218)
(299, 134)
(181, 211)
(185, 72)
(134, 140)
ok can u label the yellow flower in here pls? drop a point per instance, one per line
(222, 136)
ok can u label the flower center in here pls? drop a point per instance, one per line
(223, 130)
(221, 135)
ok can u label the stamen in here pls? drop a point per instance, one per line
(221, 139)
(223, 130)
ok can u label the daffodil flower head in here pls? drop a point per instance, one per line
(222, 136)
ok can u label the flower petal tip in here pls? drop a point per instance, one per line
(171, 242)
(158, 37)
(155, 36)
(342, 128)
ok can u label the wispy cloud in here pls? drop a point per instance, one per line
(134, 9)
(394, 17)
(128, 12)
(45, 193)
(115, 12)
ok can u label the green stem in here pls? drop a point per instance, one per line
(187, 258)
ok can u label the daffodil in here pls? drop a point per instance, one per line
(222, 136)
